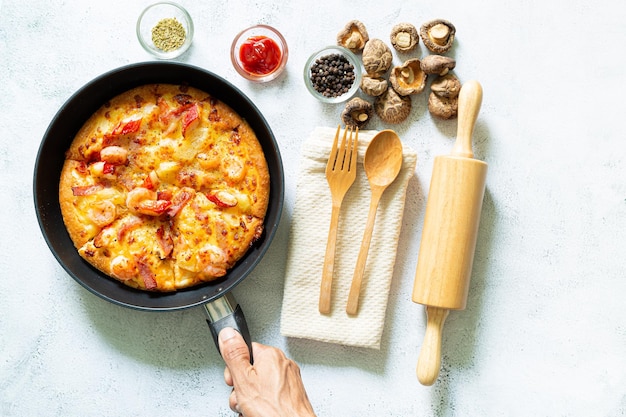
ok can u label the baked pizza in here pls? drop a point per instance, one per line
(164, 187)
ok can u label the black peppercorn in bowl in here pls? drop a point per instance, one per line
(165, 30)
(333, 74)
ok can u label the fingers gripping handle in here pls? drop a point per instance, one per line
(226, 312)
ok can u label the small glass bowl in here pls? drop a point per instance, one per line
(259, 30)
(333, 50)
(151, 16)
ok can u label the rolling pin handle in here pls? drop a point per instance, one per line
(470, 99)
(429, 361)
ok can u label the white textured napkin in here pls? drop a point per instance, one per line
(307, 244)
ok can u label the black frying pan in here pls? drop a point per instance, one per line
(220, 307)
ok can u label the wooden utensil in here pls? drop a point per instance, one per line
(382, 163)
(451, 221)
(340, 174)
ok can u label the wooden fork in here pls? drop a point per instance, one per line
(340, 174)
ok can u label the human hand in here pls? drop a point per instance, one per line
(271, 387)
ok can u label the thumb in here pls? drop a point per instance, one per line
(234, 350)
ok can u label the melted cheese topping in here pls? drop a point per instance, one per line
(164, 187)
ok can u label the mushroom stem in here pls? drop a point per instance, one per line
(407, 74)
(361, 117)
(403, 39)
(439, 33)
(353, 40)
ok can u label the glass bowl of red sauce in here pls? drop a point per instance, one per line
(259, 53)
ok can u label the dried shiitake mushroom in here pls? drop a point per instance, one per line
(443, 101)
(392, 107)
(373, 86)
(377, 58)
(437, 64)
(446, 86)
(404, 37)
(438, 35)
(443, 107)
(353, 36)
(408, 78)
(357, 112)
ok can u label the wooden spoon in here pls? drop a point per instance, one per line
(382, 163)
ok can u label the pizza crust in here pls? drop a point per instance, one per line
(164, 187)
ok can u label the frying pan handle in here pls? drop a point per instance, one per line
(226, 312)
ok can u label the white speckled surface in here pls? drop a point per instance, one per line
(544, 333)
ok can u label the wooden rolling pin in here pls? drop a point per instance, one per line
(444, 263)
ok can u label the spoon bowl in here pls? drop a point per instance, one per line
(382, 163)
(383, 158)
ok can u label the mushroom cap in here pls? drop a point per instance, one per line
(392, 107)
(446, 86)
(404, 37)
(438, 35)
(408, 78)
(437, 64)
(377, 57)
(443, 107)
(357, 112)
(353, 36)
(374, 86)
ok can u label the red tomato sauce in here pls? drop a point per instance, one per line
(260, 55)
